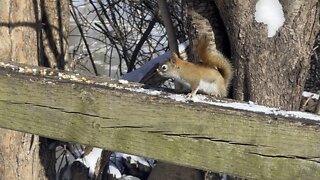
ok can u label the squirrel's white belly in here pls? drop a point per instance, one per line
(208, 87)
(204, 86)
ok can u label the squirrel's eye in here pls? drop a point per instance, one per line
(164, 67)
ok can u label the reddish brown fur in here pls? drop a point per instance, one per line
(213, 71)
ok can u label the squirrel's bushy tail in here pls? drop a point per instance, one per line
(214, 59)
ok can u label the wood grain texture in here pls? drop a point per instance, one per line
(245, 144)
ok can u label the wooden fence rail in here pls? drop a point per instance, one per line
(120, 117)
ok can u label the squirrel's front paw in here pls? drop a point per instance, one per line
(217, 95)
(189, 96)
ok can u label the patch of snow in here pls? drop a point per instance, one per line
(309, 94)
(116, 164)
(270, 12)
(113, 170)
(128, 177)
(21, 70)
(258, 108)
(116, 161)
(145, 91)
(298, 114)
(134, 159)
(122, 81)
(250, 106)
(178, 97)
(91, 159)
(34, 71)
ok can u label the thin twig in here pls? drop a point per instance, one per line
(139, 45)
(75, 17)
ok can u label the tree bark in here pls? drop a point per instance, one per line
(203, 19)
(167, 21)
(270, 71)
(21, 40)
(53, 41)
(263, 73)
(18, 37)
(313, 81)
(19, 152)
(19, 156)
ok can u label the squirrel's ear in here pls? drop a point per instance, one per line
(174, 57)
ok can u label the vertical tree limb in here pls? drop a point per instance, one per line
(74, 15)
(140, 43)
(165, 14)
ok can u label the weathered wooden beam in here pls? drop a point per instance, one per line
(113, 116)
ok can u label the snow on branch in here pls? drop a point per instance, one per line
(270, 13)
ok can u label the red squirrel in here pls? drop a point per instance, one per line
(211, 76)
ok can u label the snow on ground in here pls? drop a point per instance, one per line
(113, 170)
(91, 159)
(270, 13)
(116, 167)
(121, 81)
(135, 159)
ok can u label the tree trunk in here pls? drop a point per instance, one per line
(167, 21)
(19, 152)
(270, 71)
(313, 81)
(203, 19)
(21, 40)
(18, 38)
(53, 40)
(264, 74)
(19, 156)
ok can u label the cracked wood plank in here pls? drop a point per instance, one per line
(111, 116)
